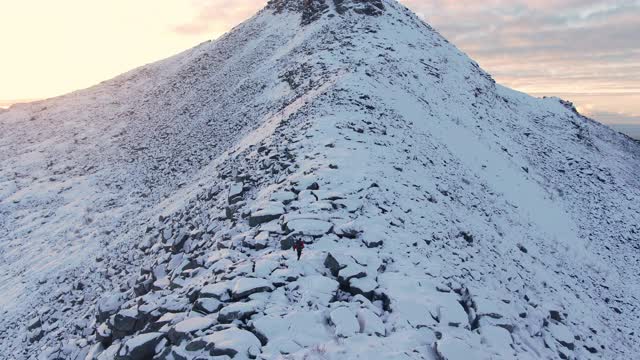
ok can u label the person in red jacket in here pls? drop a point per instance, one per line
(298, 245)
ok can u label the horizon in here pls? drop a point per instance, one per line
(539, 49)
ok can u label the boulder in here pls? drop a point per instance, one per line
(219, 290)
(233, 342)
(363, 286)
(285, 197)
(373, 240)
(185, 328)
(236, 193)
(108, 305)
(351, 271)
(34, 323)
(287, 243)
(370, 323)
(177, 242)
(308, 227)
(141, 347)
(238, 311)
(207, 305)
(344, 321)
(451, 348)
(562, 335)
(124, 323)
(332, 263)
(270, 212)
(103, 334)
(451, 313)
(349, 230)
(246, 286)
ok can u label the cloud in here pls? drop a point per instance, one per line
(218, 16)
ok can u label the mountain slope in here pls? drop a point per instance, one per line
(444, 216)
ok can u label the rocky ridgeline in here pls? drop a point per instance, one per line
(416, 245)
(312, 10)
(218, 278)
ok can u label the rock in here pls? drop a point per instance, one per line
(207, 305)
(309, 227)
(247, 286)
(185, 328)
(313, 186)
(166, 234)
(261, 241)
(349, 230)
(498, 338)
(232, 342)
(238, 311)
(488, 308)
(370, 323)
(284, 276)
(264, 267)
(555, 315)
(176, 243)
(351, 271)
(34, 323)
(562, 335)
(287, 243)
(451, 313)
(331, 263)
(94, 351)
(124, 323)
(364, 286)
(236, 193)
(36, 335)
(108, 305)
(270, 212)
(318, 289)
(103, 334)
(373, 240)
(285, 197)
(141, 347)
(345, 322)
(451, 348)
(109, 353)
(219, 290)
(328, 195)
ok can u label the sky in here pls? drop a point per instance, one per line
(586, 51)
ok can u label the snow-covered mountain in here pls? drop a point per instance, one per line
(444, 216)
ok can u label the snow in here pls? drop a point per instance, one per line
(370, 323)
(246, 286)
(194, 324)
(344, 321)
(311, 227)
(467, 220)
(455, 349)
(235, 341)
(217, 290)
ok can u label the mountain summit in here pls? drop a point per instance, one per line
(443, 216)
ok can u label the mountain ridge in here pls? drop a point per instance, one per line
(417, 182)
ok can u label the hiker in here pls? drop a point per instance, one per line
(298, 245)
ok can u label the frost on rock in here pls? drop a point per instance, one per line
(444, 216)
(344, 321)
(182, 329)
(233, 342)
(247, 286)
(140, 347)
(310, 227)
(370, 323)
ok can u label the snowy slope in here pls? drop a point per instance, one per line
(444, 216)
